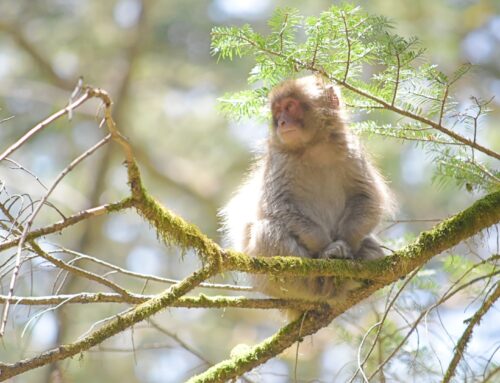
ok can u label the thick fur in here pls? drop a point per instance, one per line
(320, 199)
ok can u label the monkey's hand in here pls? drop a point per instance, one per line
(338, 249)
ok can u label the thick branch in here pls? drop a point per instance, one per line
(269, 348)
(173, 229)
(480, 215)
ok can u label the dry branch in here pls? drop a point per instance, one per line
(191, 302)
(464, 339)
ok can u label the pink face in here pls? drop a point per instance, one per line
(288, 116)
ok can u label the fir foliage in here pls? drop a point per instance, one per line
(378, 70)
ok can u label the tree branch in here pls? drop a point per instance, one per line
(464, 339)
(450, 232)
(71, 220)
(192, 302)
(113, 327)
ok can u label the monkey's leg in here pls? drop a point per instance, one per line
(338, 249)
(370, 249)
(361, 215)
(308, 233)
(270, 237)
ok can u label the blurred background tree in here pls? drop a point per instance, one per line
(154, 59)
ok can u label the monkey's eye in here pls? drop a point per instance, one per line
(292, 107)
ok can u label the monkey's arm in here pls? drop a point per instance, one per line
(361, 215)
(268, 237)
(308, 233)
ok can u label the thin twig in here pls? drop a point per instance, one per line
(348, 40)
(443, 103)
(193, 302)
(380, 325)
(28, 225)
(282, 31)
(149, 277)
(112, 327)
(70, 221)
(396, 85)
(42, 125)
(464, 339)
(182, 343)
(447, 295)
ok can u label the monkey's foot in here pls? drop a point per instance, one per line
(338, 249)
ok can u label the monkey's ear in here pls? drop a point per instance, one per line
(333, 95)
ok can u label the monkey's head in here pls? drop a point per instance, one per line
(304, 111)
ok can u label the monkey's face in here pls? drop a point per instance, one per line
(289, 114)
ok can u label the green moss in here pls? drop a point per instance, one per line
(172, 229)
(118, 206)
(267, 349)
(295, 266)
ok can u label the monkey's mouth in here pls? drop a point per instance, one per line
(288, 129)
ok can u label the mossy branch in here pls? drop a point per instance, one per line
(482, 214)
(269, 348)
(201, 301)
(113, 327)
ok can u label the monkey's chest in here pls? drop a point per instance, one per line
(321, 197)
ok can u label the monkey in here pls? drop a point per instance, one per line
(313, 193)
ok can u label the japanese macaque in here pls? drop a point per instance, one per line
(313, 193)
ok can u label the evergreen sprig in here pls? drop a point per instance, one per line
(378, 70)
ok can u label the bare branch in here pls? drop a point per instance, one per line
(71, 220)
(149, 277)
(464, 339)
(42, 125)
(28, 225)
